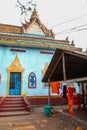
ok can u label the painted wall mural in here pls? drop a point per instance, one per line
(32, 80)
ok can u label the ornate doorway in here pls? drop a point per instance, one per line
(15, 72)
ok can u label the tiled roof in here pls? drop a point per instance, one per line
(10, 28)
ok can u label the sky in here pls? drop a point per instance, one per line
(64, 17)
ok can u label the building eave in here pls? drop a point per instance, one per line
(16, 43)
(25, 37)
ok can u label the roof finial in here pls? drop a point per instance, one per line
(72, 43)
(67, 38)
(34, 14)
(35, 5)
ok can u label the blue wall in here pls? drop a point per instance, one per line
(32, 61)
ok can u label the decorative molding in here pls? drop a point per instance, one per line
(10, 28)
(17, 50)
(41, 45)
(46, 52)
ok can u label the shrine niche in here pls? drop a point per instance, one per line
(32, 80)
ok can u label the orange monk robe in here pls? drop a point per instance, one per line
(77, 101)
(70, 99)
(78, 128)
(55, 87)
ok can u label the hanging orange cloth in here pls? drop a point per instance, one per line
(71, 90)
(78, 128)
(77, 101)
(55, 87)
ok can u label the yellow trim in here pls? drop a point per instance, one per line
(35, 97)
(7, 91)
(15, 67)
(13, 42)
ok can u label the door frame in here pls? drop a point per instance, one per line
(15, 67)
(8, 88)
(14, 85)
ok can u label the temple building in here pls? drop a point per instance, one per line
(25, 53)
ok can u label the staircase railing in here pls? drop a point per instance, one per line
(27, 103)
(2, 101)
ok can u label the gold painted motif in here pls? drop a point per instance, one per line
(16, 66)
(45, 69)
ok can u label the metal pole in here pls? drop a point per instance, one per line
(83, 93)
(49, 92)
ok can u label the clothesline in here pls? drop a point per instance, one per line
(70, 90)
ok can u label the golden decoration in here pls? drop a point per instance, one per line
(44, 70)
(15, 66)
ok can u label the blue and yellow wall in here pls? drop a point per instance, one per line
(31, 60)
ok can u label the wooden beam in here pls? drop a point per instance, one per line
(49, 92)
(83, 79)
(64, 67)
(77, 54)
(55, 67)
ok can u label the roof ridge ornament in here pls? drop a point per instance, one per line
(34, 13)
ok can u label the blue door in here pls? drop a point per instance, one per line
(15, 83)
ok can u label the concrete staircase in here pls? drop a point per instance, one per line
(14, 106)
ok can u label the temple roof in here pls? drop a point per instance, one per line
(34, 24)
(35, 19)
(32, 34)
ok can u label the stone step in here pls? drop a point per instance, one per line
(15, 113)
(12, 109)
(14, 99)
(13, 105)
(14, 96)
(14, 102)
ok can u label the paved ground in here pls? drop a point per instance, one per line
(38, 121)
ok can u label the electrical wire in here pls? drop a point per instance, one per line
(69, 21)
(73, 29)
